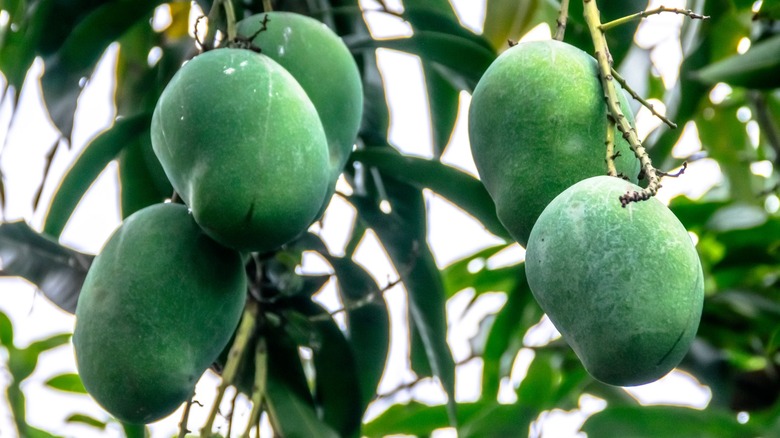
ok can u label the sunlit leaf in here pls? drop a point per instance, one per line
(508, 20)
(665, 421)
(6, 331)
(57, 271)
(67, 383)
(86, 419)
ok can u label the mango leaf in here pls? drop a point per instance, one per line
(337, 386)
(137, 182)
(457, 186)
(402, 233)
(77, 56)
(57, 271)
(462, 57)
(22, 362)
(95, 157)
(508, 20)
(86, 419)
(497, 420)
(416, 419)
(665, 421)
(67, 383)
(619, 39)
(458, 276)
(368, 326)
(6, 331)
(757, 68)
(290, 405)
(505, 338)
(438, 15)
(443, 100)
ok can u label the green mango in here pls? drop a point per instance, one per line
(243, 146)
(158, 305)
(624, 286)
(320, 61)
(537, 124)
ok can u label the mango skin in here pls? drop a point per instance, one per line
(321, 62)
(159, 304)
(624, 286)
(243, 146)
(537, 125)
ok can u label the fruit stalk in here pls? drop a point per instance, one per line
(591, 13)
(183, 431)
(641, 100)
(244, 333)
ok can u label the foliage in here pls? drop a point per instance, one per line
(736, 352)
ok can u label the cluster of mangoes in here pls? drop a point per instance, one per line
(252, 140)
(623, 285)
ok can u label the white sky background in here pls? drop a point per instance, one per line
(97, 216)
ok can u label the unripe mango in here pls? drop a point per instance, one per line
(320, 61)
(158, 305)
(537, 125)
(243, 145)
(624, 286)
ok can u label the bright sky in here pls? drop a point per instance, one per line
(97, 216)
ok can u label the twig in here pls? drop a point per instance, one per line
(563, 16)
(357, 304)
(641, 100)
(591, 13)
(183, 431)
(674, 174)
(400, 388)
(645, 14)
(244, 333)
(768, 126)
(610, 143)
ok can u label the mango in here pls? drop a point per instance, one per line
(320, 61)
(158, 305)
(243, 145)
(624, 286)
(537, 125)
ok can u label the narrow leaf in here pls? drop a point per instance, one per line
(460, 188)
(67, 383)
(6, 331)
(57, 271)
(665, 421)
(443, 100)
(757, 68)
(507, 20)
(86, 419)
(97, 154)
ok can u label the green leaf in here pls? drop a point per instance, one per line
(67, 382)
(496, 420)
(57, 271)
(460, 188)
(6, 331)
(135, 430)
(757, 68)
(416, 419)
(538, 386)
(96, 155)
(462, 57)
(664, 421)
(458, 276)
(368, 326)
(443, 100)
(290, 406)
(338, 391)
(79, 53)
(138, 185)
(505, 339)
(403, 234)
(508, 20)
(49, 343)
(438, 15)
(86, 419)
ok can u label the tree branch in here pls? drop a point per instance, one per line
(645, 14)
